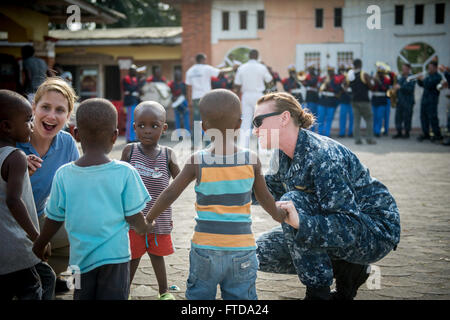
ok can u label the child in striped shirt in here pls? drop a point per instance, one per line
(155, 164)
(223, 248)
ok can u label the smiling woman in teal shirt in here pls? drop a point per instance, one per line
(49, 149)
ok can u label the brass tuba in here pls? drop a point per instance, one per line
(301, 76)
(392, 93)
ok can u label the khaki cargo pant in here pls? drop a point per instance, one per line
(362, 109)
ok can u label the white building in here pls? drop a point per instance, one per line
(406, 30)
(405, 26)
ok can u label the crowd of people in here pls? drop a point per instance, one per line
(356, 94)
(335, 219)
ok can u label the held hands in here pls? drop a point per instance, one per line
(292, 214)
(47, 252)
(149, 228)
(42, 251)
(280, 216)
(34, 163)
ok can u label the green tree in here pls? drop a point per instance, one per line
(142, 13)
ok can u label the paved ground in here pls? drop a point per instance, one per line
(417, 174)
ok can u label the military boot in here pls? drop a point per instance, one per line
(317, 293)
(349, 277)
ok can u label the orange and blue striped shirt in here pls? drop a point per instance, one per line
(224, 197)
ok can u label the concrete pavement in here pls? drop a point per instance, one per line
(417, 174)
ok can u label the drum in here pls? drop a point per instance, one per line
(157, 91)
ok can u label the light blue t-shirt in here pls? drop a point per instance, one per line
(94, 201)
(63, 149)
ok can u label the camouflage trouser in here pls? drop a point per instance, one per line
(324, 238)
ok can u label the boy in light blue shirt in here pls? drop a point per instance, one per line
(97, 198)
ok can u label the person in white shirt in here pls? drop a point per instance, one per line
(250, 80)
(198, 83)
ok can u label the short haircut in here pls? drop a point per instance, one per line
(11, 103)
(357, 63)
(96, 120)
(220, 109)
(59, 85)
(253, 54)
(200, 57)
(27, 51)
(407, 65)
(434, 63)
(152, 105)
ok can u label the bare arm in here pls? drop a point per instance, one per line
(264, 197)
(173, 191)
(48, 231)
(126, 152)
(139, 223)
(173, 163)
(13, 170)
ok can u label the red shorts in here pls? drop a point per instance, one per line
(158, 244)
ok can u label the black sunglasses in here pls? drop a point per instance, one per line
(257, 121)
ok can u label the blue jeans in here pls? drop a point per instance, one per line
(345, 109)
(380, 117)
(235, 271)
(182, 114)
(130, 133)
(325, 119)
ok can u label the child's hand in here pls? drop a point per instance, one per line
(151, 227)
(39, 250)
(47, 252)
(34, 163)
(280, 216)
(292, 214)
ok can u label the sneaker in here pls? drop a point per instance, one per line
(166, 296)
(371, 141)
(349, 277)
(406, 135)
(359, 141)
(398, 135)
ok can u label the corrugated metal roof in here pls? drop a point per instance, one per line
(117, 33)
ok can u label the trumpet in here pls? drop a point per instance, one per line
(416, 76)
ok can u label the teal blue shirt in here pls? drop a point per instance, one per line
(94, 201)
(63, 149)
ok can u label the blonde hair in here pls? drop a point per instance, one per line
(59, 85)
(286, 102)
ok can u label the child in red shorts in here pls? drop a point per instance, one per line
(155, 164)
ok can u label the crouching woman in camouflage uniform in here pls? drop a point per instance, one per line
(345, 218)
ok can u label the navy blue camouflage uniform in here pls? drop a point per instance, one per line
(405, 104)
(429, 104)
(344, 213)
